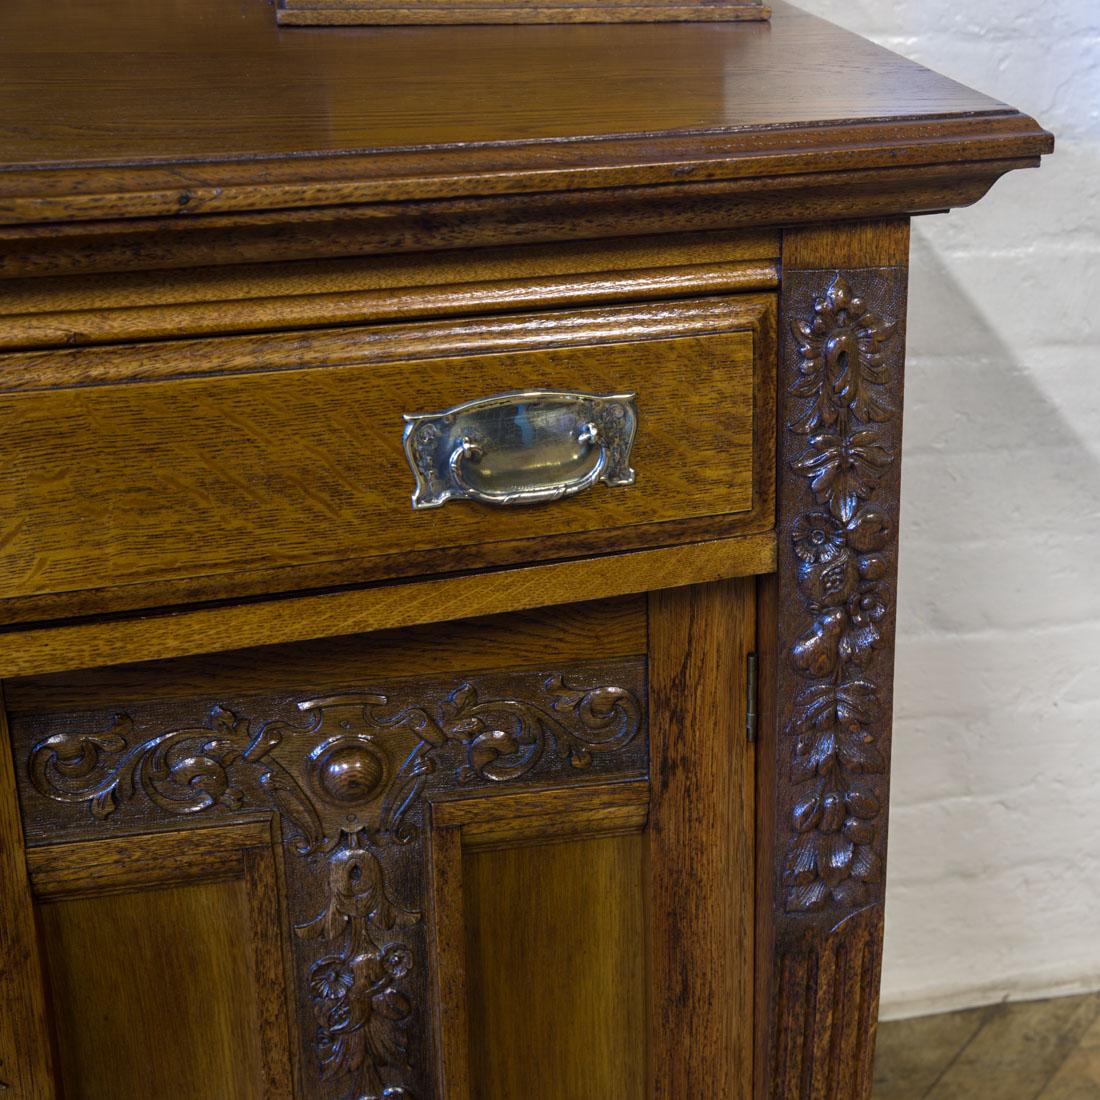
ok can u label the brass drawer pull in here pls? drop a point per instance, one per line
(521, 448)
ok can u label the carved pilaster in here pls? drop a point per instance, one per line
(828, 748)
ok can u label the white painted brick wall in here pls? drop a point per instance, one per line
(994, 884)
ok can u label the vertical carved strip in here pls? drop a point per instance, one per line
(827, 752)
(827, 997)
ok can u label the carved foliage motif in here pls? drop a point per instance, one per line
(348, 787)
(840, 404)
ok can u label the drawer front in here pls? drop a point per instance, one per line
(210, 469)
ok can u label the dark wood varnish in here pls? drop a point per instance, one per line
(501, 135)
(308, 796)
(183, 939)
(297, 477)
(449, 12)
(826, 749)
(474, 86)
(700, 857)
(374, 852)
(25, 1049)
(343, 779)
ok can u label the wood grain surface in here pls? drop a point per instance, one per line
(87, 645)
(539, 816)
(233, 286)
(79, 868)
(973, 155)
(467, 833)
(447, 946)
(103, 325)
(549, 636)
(268, 471)
(180, 1019)
(549, 107)
(700, 849)
(463, 12)
(298, 477)
(26, 1056)
(555, 939)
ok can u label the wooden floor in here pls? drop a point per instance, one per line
(1043, 1050)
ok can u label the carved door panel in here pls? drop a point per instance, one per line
(473, 861)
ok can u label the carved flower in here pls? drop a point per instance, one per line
(331, 979)
(866, 609)
(844, 470)
(398, 961)
(843, 562)
(817, 538)
(842, 361)
(362, 1016)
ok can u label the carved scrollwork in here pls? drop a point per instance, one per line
(347, 782)
(506, 738)
(183, 771)
(843, 544)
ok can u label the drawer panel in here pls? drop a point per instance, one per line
(219, 468)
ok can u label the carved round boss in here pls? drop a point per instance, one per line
(349, 771)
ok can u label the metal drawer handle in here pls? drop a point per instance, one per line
(521, 448)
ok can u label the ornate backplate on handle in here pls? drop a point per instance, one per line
(521, 448)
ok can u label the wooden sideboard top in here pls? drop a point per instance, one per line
(145, 108)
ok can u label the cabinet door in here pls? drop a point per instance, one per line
(473, 861)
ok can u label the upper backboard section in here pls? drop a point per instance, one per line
(419, 12)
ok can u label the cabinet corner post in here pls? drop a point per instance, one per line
(827, 653)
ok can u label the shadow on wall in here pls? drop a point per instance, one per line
(995, 868)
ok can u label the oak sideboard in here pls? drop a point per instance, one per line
(450, 494)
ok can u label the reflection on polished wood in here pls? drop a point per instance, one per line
(112, 962)
(459, 12)
(556, 936)
(306, 795)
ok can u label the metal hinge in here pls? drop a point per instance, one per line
(751, 718)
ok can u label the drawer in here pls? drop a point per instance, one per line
(191, 470)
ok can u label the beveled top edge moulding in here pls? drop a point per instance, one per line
(455, 12)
